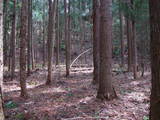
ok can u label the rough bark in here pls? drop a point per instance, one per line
(96, 23)
(29, 37)
(23, 46)
(67, 39)
(106, 89)
(51, 25)
(155, 59)
(1, 60)
(57, 36)
(129, 45)
(121, 35)
(13, 40)
(5, 25)
(44, 41)
(134, 51)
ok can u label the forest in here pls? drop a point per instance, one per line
(79, 60)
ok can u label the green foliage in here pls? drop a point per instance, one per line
(11, 105)
(136, 11)
(20, 116)
(145, 118)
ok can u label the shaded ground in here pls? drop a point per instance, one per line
(74, 98)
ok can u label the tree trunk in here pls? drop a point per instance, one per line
(67, 37)
(155, 59)
(23, 41)
(1, 60)
(13, 40)
(96, 32)
(29, 37)
(134, 48)
(57, 36)
(121, 35)
(44, 41)
(129, 45)
(5, 25)
(51, 25)
(106, 89)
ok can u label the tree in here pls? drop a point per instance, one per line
(121, 34)
(1, 60)
(29, 37)
(51, 25)
(23, 46)
(67, 36)
(13, 40)
(129, 26)
(155, 59)
(57, 35)
(106, 89)
(96, 22)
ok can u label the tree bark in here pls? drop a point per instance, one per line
(51, 25)
(129, 26)
(44, 41)
(96, 32)
(155, 59)
(29, 37)
(13, 40)
(106, 89)
(57, 36)
(23, 46)
(5, 25)
(121, 35)
(1, 60)
(67, 37)
(134, 48)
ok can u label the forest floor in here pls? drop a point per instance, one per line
(74, 98)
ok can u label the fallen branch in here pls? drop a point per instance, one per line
(79, 57)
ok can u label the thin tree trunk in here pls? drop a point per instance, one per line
(31, 42)
(51, 25)
(121, 35)
(66, 38)
(1, 60)
(155, 59)
(68, 54)
(134, 48)
(44, 41)
(5, 25)
(96, 32)
(129, 45)
(57, 36)
(29, 37)
(13, 40)
(106, 89)
(23, 46)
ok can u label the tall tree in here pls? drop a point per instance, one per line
(51, 25)
(134, 44)
(106, 89)
(155, 59)
(5, 26)
(13, 39)
(1, 59)
(121, 34)
(29, 37)
(67, 36)
(57, 34)
(96, 32)
(23, 46)
(44, 34)
(129, 26)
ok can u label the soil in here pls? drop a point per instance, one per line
(74, 98)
